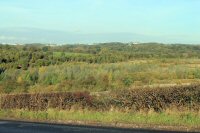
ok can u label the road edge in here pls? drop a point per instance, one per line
(109, 125)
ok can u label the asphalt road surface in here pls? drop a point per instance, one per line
(28, 127)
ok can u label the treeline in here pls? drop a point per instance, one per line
(37, 55)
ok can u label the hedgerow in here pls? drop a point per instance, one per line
(158, 99)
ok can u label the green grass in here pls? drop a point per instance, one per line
(170, 118)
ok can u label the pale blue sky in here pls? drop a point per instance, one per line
(89, 21)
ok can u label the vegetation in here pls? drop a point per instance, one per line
(99, 67)
(99, 77)
(36, 55)
(189, 120)
(156, 99)
(101, 81)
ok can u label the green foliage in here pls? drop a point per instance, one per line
(34, 76)
(32, 55)
(197, 73)
(99, 67)
(49, 78)
(109, 67)
(99, 77)
(127, 81)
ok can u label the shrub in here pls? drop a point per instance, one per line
(158, 99)
(46, 100)
(197, 73)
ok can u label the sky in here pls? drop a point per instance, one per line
(93, 21)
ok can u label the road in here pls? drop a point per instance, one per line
(28, 127)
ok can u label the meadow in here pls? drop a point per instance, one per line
(81, 76)
(148, 84)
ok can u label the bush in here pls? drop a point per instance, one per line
(127, 81)
(47, 100)
(158, 99)
(197, 73)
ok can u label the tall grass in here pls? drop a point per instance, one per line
(100, 77)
